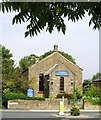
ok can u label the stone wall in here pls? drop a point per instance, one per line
(47, 104)
(89, 106)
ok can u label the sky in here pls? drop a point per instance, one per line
(80, 41)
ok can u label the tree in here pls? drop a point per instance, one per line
(51, 14)
(27, 61)
(7, 64)
(93, 92)
(12, 80)
(86, 85)
(69, 57)
(95, 76)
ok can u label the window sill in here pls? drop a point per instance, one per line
(40, 92)
(62, 91)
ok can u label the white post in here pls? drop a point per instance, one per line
(63, 102)
(62, 107)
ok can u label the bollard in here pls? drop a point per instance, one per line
(62, 107)
(63, 102)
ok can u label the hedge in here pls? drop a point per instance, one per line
(13, 96)
(66, 95)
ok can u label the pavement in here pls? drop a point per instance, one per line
(70, 116)
(48, 110)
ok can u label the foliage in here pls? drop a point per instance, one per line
(14, 96)
(95, 76)
(69, 57)
(74, 110)
(86, 85)
(0, 62)
(30, 60)
(50, 97)
(94, 100)
(45, 55)
(12, 80)
(27, 61)
(77, 95)
(93, 95)
(66, 95)
(7, 64)
(51, 14)
(93, 92)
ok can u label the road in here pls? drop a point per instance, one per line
(32, 114)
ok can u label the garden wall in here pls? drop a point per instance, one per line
(89, 106)
(47, 104)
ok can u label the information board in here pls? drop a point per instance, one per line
(62, 73)
(30, 92)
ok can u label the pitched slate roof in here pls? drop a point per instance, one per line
(97, 79)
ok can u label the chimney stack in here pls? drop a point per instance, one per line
(55, 48)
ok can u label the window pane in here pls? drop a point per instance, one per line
(62, 83)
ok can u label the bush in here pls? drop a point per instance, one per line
(93, 95)
(14, 96)
(66, 95)
(94, 100)
(93, 92)
(78, 94)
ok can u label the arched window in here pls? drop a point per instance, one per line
(41, 81)
(61, 83)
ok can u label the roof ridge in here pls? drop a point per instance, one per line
(42, 59)
(53, 54)
(70, 61)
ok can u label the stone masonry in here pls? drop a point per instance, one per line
(70, 82)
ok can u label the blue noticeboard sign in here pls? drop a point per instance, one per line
(30, 92)
(62, 73)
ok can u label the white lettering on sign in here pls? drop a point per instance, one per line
(13, 103)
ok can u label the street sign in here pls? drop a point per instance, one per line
(30, 92)
(62, 73)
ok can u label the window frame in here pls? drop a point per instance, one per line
(41, 82)
(61, 83)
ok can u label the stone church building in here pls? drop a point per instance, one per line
(54, 75)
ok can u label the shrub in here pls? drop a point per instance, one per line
(93, 92)
(94, 100)
(93, 95)
(66, 95)
(78, 94)
(14, 96)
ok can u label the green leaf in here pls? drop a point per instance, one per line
(26, 34)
